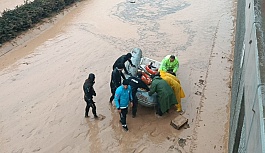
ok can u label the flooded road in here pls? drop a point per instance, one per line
(41, 98)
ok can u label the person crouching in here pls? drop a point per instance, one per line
(123, 96)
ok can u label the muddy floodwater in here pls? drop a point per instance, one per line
(42, 74)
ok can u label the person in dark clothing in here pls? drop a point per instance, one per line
(89, 92)
(122, 59)
(136, 83)
(115, 81)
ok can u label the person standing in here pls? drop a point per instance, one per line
(170, 64)
(115, 81)
(165, 94)
(136, 83)
(89, 92)
(122, 59)
(123, 96)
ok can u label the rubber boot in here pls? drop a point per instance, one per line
(86, 111)
(179, 108)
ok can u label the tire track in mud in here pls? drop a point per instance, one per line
(193, 144)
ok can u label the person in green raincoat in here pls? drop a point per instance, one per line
(166, 96)
(170, 64)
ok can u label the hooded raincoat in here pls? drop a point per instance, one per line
(167, 65)
(174, 84)
(166, 97)
(166, 74)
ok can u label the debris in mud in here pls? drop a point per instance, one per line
(36, 150)
(26, 63)
(176, 149)
(201, 81)
(198, 93)
(172, 139)
(182, 142)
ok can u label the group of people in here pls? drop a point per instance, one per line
(164, 83)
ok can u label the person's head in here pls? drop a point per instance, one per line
(120, 66)
(91, 77)
(128, 56)
(125, 83)
(172, 58)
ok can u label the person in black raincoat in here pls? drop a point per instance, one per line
(122, 59)
(115, 81)
(89, 92)
(136, 83)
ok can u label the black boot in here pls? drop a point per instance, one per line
(94, 110)
(86, 112)
(125, 127)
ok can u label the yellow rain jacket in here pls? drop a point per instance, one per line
(165, 74)
(174, 84)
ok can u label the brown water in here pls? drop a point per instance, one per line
(41, 98)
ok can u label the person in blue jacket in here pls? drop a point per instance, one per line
(123, 96)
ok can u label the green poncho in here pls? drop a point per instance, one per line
(166, 97)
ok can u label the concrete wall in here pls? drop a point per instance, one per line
(247, 116)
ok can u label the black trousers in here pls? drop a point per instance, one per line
(123, 114)
(158, 109)
(113, 90)
(135, 105)
(92, 105)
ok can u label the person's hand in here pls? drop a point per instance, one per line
(119, 110)
(131, 104)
